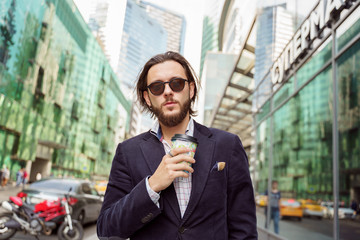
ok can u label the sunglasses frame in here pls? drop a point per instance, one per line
(168, 82)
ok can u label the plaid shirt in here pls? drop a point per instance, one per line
(182, 185)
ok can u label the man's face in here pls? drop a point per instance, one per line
(170, 107)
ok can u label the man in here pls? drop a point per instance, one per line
(19, 177)
(151, 194)
(25, 177)
(274, 202)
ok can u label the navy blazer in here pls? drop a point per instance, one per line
(221, 205)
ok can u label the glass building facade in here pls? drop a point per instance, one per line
(174, 24)
(142, 38)
(212, 14)
(61, 108)
(298, 142)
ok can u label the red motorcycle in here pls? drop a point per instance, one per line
(40, 219)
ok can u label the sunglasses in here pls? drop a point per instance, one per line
(176, 84)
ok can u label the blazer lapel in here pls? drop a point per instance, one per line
(203, 157)
(153, 152)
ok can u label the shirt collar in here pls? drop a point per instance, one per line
(156, 129)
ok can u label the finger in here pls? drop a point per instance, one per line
(180, 173)
(182, 166)
(177, 151)
(181, 158)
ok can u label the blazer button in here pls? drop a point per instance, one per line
(147, 218)
(182, 230)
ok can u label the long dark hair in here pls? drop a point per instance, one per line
(160, 58)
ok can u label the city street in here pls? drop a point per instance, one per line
(5, 193)
(89, 234)
(310, 228)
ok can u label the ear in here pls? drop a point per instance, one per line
(146, 97)
(192, 89)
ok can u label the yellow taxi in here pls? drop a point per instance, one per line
(100, 187)
(311, 208)
(290, 208)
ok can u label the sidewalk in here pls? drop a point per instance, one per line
(9, 190)
(289, 230)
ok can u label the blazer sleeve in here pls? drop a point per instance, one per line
(127, 206)
(241, 203)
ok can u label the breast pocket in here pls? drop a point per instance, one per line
(215, 188)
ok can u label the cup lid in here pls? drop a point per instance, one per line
(184, 137)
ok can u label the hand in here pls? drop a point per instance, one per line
(169, 169)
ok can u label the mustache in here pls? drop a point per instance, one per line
(169, 100)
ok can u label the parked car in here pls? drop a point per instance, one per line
(290, 208)
(311, 208)
(325, 209)
(343, 212)
(85, 201)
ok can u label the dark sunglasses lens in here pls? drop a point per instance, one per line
(157, 88)
(177, 84)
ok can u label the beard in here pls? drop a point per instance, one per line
(174, 119)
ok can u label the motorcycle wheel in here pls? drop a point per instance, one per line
(6, 233)
(64, 232)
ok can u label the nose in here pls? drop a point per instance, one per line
(168, 90)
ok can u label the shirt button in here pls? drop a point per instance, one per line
(182, 230)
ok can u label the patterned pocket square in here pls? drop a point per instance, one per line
(219, 166)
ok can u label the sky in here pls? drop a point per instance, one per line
(193, 13)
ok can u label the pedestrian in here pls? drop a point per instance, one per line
(5, 176)
(152, 194)
(354, 205)
(19, 177)
(25, 177)
(274, 201)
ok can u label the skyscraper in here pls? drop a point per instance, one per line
(130, 37)
(142, 38)
(275, 28)
(212, 14)
(174, 24)
(105, 19)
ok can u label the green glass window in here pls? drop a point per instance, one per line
(348, 77)
(313, 65)
(302, 144)
(263, 144)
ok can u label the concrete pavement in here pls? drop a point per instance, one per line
(289, 230)
(9, 190)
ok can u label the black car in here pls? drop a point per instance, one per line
(85, 200)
